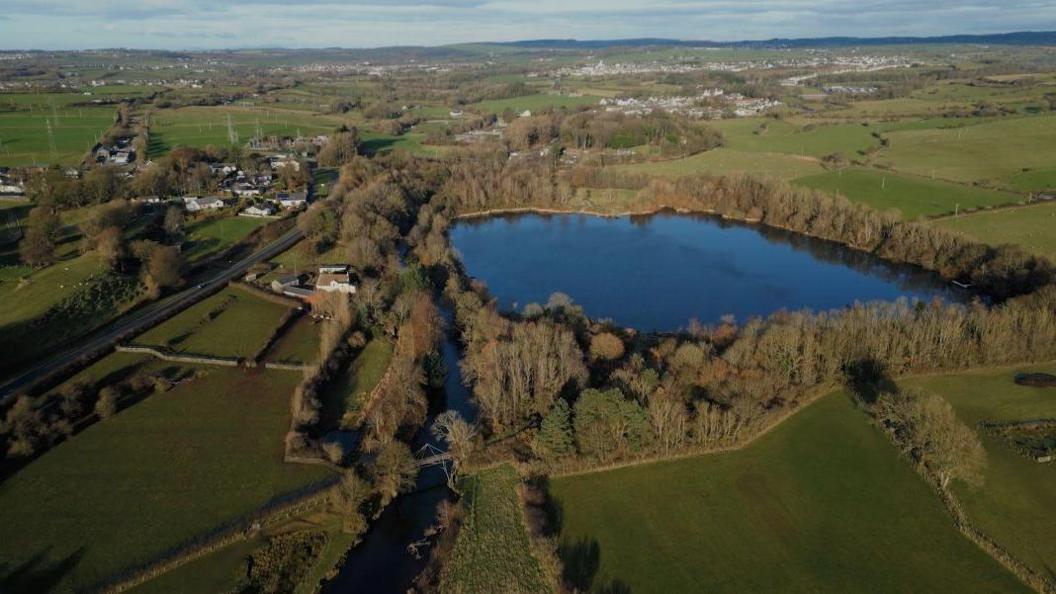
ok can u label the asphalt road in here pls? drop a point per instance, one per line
(140, 320)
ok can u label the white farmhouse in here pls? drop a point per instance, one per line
(200, 204)
(264, 209)
(335, 279)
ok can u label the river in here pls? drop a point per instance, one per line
(382, 564)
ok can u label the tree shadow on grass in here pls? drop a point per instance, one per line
(580, 561)
(614, 587)
(37, 574)
(868, 378)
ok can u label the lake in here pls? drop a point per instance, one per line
(657, 272)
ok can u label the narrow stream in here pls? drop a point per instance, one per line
(381, 563)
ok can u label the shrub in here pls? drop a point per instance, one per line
(606, 346)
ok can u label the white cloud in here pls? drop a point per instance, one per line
(179, 24)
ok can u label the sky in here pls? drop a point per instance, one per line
(214, 24)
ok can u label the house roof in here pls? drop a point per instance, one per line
(328, 278)
(297, 292)
(333, 268)
(292, 196)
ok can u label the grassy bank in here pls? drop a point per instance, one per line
(492, 552)
(347, 393)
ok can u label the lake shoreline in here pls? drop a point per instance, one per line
(523, 210)
(831, 275)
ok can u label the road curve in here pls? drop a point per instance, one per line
(140, 320)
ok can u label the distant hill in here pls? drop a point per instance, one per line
(1016, 38)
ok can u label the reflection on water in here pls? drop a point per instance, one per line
(657, 272)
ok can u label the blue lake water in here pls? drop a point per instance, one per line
(658, 272)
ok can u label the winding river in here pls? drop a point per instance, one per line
(382, 563)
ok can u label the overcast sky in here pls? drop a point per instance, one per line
(195, 24)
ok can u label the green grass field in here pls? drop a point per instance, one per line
(724, 161)
(24, 135)
(298, 344)
(534, 103)
(346, 393)
(204, 126)
(1031, 227)
(78, 294)
(995, 151)
(781, 136)
(492, 552)
(911, 195)
(159, 473)
(1014, 505)
(1035, 180)
(241, 325)
(208, 237)
(220, 571)
(823, 503)
(44, 287)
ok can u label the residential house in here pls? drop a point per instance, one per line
(245, 190)
(224, 169)
(281, 161)
(291, 200)
(264, 209)
(123, 157)
(12, 186)
(206, 203)
(335, 279)
(334, 268)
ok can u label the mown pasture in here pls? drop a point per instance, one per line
(724, 161)
(208, 126)
(299, 343)
(767, 135)
(213, 235)
(232, 323)
(1014, 504)
(911, 195)
(165, 470)
(220, 571)
(492, 553)
(533, 103)
(24, 138)
(994, 152)
(1031, 227)
(822, 503)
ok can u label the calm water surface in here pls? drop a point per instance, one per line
(657, 272)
